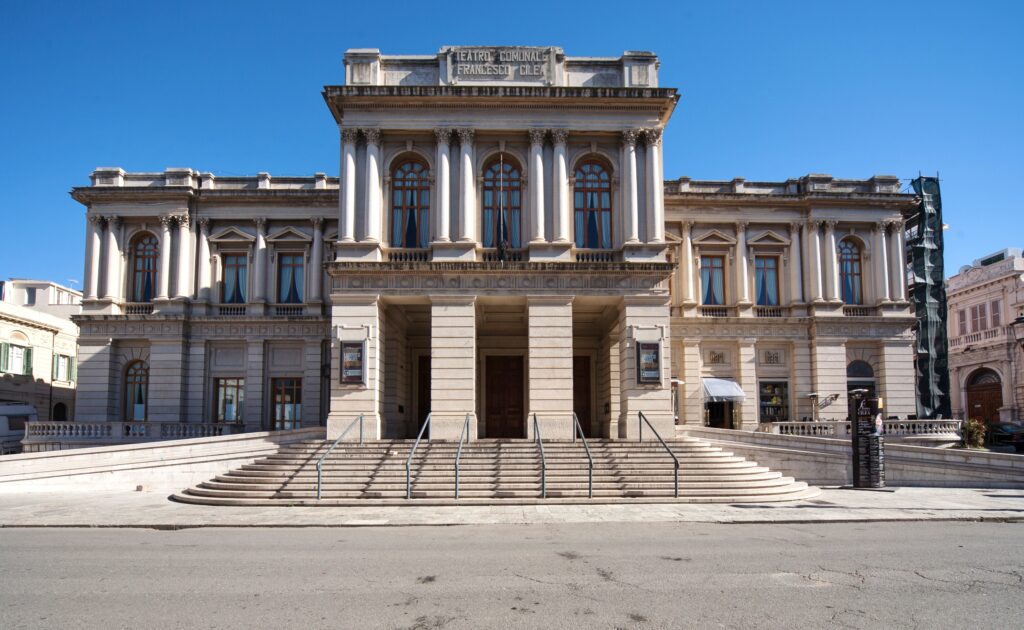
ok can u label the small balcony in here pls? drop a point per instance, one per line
(288, 310)
(769, 311)
(715, 311)
(509, 255)
(858, 311)
(138, 308)
(407, 254)
(231, 310)
(596, 255)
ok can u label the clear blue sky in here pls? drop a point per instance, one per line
(770, 90)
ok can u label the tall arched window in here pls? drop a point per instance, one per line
(410, 204)
(592, 199)
(503, 206)
(144, 260)
(850, 272)
(136, 390)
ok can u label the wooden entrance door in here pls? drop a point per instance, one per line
(504, 391)
(984, 401)
(422, 392)
(581, 394)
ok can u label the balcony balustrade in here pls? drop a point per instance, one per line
(858, 311)
(138, 308)
(925, 432)
(596, 255)
(406, 254)
(769, 311)
(231, 310)
(714, 311)
(120, 432)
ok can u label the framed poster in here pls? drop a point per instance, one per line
(353, 364)
(648, 362)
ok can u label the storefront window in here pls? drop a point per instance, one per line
(774, 398)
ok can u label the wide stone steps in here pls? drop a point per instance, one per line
(497, 472)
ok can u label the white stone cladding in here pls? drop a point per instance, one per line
(549, 365)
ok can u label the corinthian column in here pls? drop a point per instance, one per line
(259, 292)
(687, 270)
(112, 288)
(373, 226)
(347, 201)
(796, 264)
(561, 185)
(897, 262)
(814, 237)
(655, 188)
(831, 262)
(205, 264)
(316, 262)
(444, 189)
(184, 256)
(881, 263)
(467, 187)
(537, 231)
(742, 263)
(163, 267)
(631, 217)
(93, 251)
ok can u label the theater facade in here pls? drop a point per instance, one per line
(501, 245)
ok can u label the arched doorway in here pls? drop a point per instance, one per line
(984, 396)
(60, 412)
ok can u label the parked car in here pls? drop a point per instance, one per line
(1006, 434)
(13, 416)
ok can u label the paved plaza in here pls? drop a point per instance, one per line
(153, 509)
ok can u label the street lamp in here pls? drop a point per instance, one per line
(1018, 330)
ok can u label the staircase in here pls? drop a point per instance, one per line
(492, 472)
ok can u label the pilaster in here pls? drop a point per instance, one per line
(167, 361)
(550, 382)
(357, 318)
(644, 319)
(452, 365)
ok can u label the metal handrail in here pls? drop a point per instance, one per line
(640, 421)
(320, 462)
(579, 429)
(408, 462)
(458, 453)
(543, 461)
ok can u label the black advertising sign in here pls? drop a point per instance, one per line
(648, 362)
(352, 362)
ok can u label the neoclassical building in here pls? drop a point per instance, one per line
(501, 245)
(985, 362)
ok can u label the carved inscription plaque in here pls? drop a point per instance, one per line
(514, 64)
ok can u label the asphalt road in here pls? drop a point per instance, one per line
(866, 575)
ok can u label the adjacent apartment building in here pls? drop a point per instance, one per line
(38, 346)
(985, 361)
(501, 245)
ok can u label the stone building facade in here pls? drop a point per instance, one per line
(38, 351)
(985, 362)
(501, 246)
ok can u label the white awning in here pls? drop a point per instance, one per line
(722, 390)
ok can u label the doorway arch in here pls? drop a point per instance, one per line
(60, 412)
(984, 395)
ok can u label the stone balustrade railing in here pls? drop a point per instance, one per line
(937, 432)
(117, 432)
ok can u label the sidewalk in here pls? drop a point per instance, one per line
(154, 510)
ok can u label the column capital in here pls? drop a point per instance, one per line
(113, 220)
(443, 135)
(261, 224)
(372, 135)
(204, 224)
(830, 224)
(537, 136)
(794, 226)
(629, 136)
(653, 136)
(879, 226)
(317, 222)
(559, 136)
(95, 219)
(687, 226)
(893, 224)
(349, 135)
(741, 226)
(465, 135)
(182, 220)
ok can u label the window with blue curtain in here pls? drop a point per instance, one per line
(136, 391)
(766, 280)
(712, 280)
(410, 204)
(850, 272)
(235, 279)
(290, 278)
(502, 203)
(592, 202)
(144, 261)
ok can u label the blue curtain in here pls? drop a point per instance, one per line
(714, 287)
(767, 286)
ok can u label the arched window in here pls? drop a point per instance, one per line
(592, 199)
(850, 272)
(136, 390)
(984, 377)
(503, 206)
(144, 260)
(410, 204)
(859, 369)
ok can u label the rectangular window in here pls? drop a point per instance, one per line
(766, 280)
(30, 296)
(286, 402)
(774, 399)
(229, 394)
(63, 368)
(962, 316)
(290, 278)
(979, 317)
(16, 360)
(235, 279)
(997, 319)
(712, 280)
